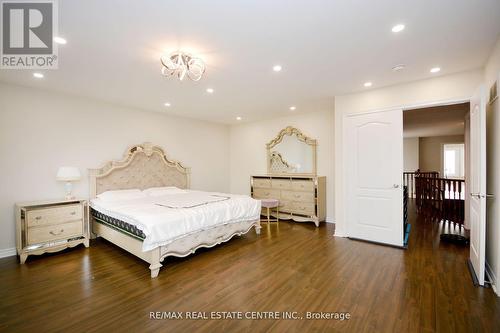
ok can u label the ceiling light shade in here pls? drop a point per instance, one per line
(398, 28)
(435, 69)
(181, 65)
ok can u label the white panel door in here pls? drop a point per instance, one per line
(477, 182)
(373, 164)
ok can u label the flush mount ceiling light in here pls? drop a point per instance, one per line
(181, 65)
(435, 69)
(398, 28)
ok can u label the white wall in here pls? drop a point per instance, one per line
(492, 73)
(410, 154)
(457, 87)
(248, 148)
(40, 131)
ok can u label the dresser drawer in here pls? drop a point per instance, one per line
(303, 208)
(264, 193)
(262, 182)
(50, 233)
(286, 206)
(282, 184)
(54, 215)
(298, 196)
(303, 185)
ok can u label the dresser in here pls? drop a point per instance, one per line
(49, 226)
(302, 198)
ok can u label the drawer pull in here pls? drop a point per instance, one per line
(73, 213)
(38, 218)
(56, 234)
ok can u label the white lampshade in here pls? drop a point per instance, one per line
(68, 174)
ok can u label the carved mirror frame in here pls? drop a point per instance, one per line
(290, 131)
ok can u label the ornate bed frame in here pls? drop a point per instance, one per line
(145, 166)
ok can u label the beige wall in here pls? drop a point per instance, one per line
(456, 87)
(492, 73)
(248, 148)
(431, 151)
(40, 131)
(410, 154)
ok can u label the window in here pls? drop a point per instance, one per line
(454, 160)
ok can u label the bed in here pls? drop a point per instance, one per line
(168, 223)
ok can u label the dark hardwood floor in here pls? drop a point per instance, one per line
(293, 267)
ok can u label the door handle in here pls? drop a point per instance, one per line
(395, 185)
(479, 195)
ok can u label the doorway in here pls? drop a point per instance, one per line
(373, 166)
(435, 168)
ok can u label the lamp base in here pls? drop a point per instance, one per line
(69, 188)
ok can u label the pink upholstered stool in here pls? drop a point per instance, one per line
(268, 204)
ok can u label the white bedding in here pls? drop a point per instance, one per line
(164, 219)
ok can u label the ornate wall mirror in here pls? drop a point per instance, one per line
(291, 152)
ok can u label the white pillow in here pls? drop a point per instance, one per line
(110, 196)
(159, 191)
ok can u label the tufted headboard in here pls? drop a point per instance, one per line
(143, 166)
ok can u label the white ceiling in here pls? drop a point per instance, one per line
(326, 48)
(435, 121)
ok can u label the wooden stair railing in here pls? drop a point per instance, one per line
(441, 198)
(409, 180)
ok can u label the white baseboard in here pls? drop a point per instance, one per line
(7, 252)
(492, 277)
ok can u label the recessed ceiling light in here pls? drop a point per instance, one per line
(277, 68)
(293, 108)
(435, 69)
(60, 40)
(38, 75)
(167, 104)
(398, 28)
(398, 67)
(367, 84)
(210, 90)
(238, 118)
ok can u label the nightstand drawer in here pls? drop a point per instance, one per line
(54, 232)
(54, 215)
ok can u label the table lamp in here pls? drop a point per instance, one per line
(68, 175)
